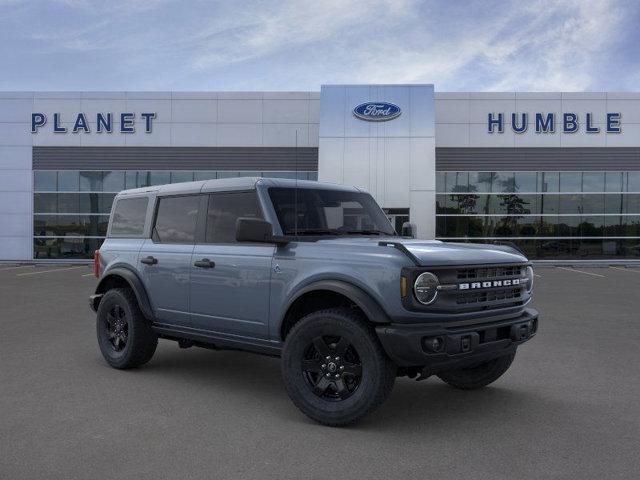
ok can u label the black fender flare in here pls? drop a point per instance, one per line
(370, 307)
(134, 283)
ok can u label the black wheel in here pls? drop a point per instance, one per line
(334, 368)
(478, 376)
(125, 337)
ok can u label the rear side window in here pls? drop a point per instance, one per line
(176, 219)
(128, 216)
(224, 209)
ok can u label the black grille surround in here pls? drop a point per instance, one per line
(472, 288)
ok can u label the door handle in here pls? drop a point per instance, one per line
(204, 263)
(149, 260)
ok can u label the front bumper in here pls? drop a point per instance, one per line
(459, 345)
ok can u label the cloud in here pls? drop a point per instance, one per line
(291, 44)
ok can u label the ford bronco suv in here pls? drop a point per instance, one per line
(313, 273)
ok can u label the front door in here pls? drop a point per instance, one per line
(165, 259)
(230, 281)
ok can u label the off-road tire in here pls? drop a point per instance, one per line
(141, 341)
(478, 376)
(377, 375)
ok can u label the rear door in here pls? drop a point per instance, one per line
(165, 258)
(230, 281)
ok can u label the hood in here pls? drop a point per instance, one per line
(437, 253)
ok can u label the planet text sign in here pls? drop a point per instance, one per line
(99, 123)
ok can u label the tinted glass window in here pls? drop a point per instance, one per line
(224, 209)
(176, 219)
(128, 216)
(328, 212)
(45, 181)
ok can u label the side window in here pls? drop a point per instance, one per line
(176, 219)
(128, 216)
(224, 209)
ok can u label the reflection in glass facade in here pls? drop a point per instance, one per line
(549, 215)
(71, 208)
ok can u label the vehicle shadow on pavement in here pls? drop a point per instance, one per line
(412, 405)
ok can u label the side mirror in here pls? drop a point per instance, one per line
(408, 230)
(253, 230)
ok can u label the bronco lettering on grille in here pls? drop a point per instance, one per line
(489, 284)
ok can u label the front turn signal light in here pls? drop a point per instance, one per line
(403, 287)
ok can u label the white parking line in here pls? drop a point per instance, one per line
(632, 270)
(580, 271)
(48, 271)
(14, 268)
(536, 275)
(88, 275)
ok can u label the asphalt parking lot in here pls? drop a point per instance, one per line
(568, 408)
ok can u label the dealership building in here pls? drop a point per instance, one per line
(558, 174)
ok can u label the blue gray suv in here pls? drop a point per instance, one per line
(313, 273)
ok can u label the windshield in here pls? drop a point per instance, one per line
(307, 211)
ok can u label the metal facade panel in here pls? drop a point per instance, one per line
(536, 159)
(175, 158)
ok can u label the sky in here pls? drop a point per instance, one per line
(184, 45)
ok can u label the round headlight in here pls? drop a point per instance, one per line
(426, 288)
(529, 275)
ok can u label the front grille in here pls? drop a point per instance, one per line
(489, 296)
(489, 272)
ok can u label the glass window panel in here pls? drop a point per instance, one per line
(571, 181)
(631, 225)
(231, 174)
(499, 204)
(45, 225)
(628, 248)
(45, 203)
(159, 177)
(614, 226)
(313, 176)
(547, 249)
(181, 176)
(549, 182)
(114, 181)
(504, 182)
(90, 181)
(105, 200)
(569, 226)
(549, 203)
(129, 216)
(68, 181)
(89, 203)
(517, 204)
(45, 181)
(480, 181)
(223, 211)
(506, 227)
(441, 202)
(593, 181)
(571, 203)
(633, 182)
(441, 226)
(69, 202)
(613, 203)
(548, 226)
(176, 219)
(475, 227)
(527, 226)
(143, 179)
(592, 226)
(631, 203)
(440, 182)
(65, 247)
(613, 182)
(205, 175)
(592, 203)
(131, 179)
(457, 181)
(588, 249)
(471, 204)
(94, 225)
(526, 182)
(279, 174)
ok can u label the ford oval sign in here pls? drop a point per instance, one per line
(377, 111)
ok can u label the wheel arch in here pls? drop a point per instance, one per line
(335, 292)
(119, 277)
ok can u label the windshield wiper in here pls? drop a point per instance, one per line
(314, 231)
(367, 232)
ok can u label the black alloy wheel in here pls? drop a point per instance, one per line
(117, 327)
(332, 367)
